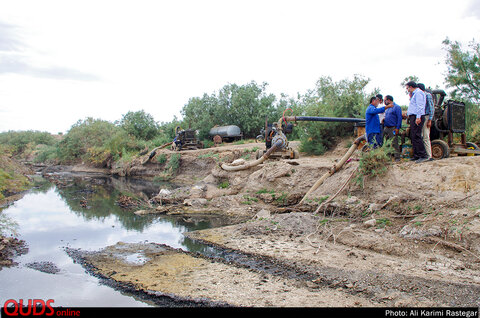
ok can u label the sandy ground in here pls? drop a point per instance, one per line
(409, 238)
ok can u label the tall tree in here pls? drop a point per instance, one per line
(463, 70)
(140, 124)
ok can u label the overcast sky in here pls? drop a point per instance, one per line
(61, 61)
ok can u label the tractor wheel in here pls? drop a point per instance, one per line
(440, 149)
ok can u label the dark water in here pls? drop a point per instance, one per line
(82, 213)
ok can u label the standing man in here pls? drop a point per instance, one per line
(393, 123)
(416, 119)
(372, 123)
(381, 116)
(429, 112)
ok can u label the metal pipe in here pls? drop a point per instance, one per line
(279, 144)
(248, 165)
(327, 119)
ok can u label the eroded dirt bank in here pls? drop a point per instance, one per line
(410, 238)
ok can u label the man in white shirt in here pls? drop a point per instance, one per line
(416, 119)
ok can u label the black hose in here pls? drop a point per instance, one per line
(328, 119)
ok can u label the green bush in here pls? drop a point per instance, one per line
(84, 134)
(95, 141)
(207, 143)
(374, 163)
(20, 141)
(46, 154)
(140, 124)
(12, 182)
(173, 163)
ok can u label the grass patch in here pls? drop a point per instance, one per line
(223, 185)
(11, 182)
(174, 163)
(162, 158)
(322, 199)
(208, 155)
(282, 199)
(383, 222)
(170, 169)
(246, 157)
(251, 149)
(249, 199)
(264, 190)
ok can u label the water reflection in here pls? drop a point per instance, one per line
(53, 217)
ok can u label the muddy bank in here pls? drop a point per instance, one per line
(165, 271)
(382, 266)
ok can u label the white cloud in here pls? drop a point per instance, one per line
(155, 55)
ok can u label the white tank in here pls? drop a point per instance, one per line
(226, 131)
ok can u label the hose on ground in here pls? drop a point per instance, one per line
(251, 164)
(335, 167)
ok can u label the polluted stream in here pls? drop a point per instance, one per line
(81, 213)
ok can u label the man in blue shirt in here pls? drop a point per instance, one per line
(372, 122)
(416, 119)
(392, 124)
(429, 112)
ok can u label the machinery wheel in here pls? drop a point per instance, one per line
(217, 140)
(440, 149)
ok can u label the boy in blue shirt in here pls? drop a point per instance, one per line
(372, 122)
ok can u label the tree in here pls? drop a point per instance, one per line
(345, 98)
(83, 135)
(140, 125)
(408, 79)
(243, 105)
(463, 70)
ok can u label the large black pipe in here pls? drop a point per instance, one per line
(328, 119)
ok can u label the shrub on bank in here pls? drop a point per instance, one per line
(22, 143)
(374, 163)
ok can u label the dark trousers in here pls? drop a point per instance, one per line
(416, 137)
(389, 134)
